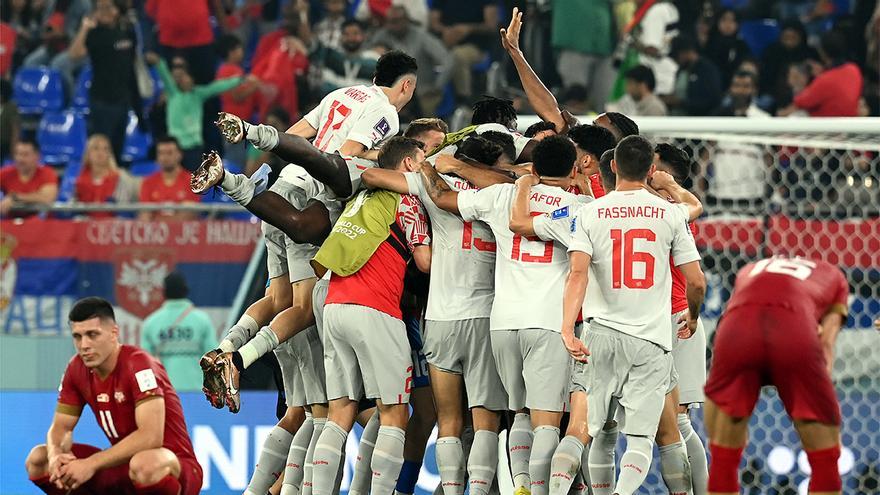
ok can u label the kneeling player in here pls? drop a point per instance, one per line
(768, 337)
(137, 408)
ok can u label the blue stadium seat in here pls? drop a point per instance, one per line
(62, 136)
(37, 90)
(81, 93)
(137, 143)
(67, 188)
(143, 168)
(759, 34)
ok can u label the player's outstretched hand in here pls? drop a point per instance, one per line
(75, 473)
(575, 346)
(510, 35)
(527, 180)
(686, 326)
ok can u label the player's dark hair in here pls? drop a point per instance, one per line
(534, 129)
(592, 139)
(674, 161)
(392, 66)
(624, 125)
(420, 126)
(480, 149)
(606, 173)
(168, 140)
(227, 43)
(633, 156)
(504, 140)
(176, 286)
(396, 149)
(682, 43)
(492, 110)
(91, 307)
(642, 74)
(353, 22)
(30, 142)
(280, 113)
(554, 157)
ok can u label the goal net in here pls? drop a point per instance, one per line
(807, 187)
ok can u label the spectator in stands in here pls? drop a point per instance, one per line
(328, 30)
(26, 182)
(101, 180)
(584, 55)
(110, 42)
(697, 84)
(348, 66)
(185, 104)
(540, 130)
(835, 92)
(574, 99)
(468, 28)
(170, 184)
(377, 11)
(10, 122)
(791, 48)
(242, 100)
(639, 99)
(8, 38)
(24, 19)
(185, 30)
(652, 39)
(280, 59)
(178, 334)
(725, 48)
(435, 63)
(740, 98)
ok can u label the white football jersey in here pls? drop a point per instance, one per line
(630, 236)
(559, 224)
(462, 282)
(529, 273)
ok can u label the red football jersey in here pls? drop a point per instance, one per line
(136, 377)
(679, 286)
(808, 287)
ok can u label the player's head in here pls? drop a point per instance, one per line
(168, 154)
(633, 159)
(175, 286)
(554, 157)
(540, 130)
(619, 124)
(431, 131)
(674, 161)
(401, 153)
(590, 142)
(479, 149)
(95, 334)
(231, 48)
(504, 140)
(491, 110)
(609, 178)
(352, 35)
(396, 71)
(639, 82)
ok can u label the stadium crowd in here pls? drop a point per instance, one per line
(133, 74)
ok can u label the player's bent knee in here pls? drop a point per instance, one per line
(37, 462)
(150, 466)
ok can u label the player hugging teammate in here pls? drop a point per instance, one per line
(475, 280)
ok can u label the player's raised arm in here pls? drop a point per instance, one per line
(477, 174)
(541, 99)
(439, 191)
(302, 128)
(381, 178)
(521, 220)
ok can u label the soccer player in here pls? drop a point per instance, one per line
(768, 336)
(365, 341)
(624, 241)
(529, 276)
(457, 327)
(136, 407)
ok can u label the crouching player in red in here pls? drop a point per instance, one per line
(768, 336)
(136, 407)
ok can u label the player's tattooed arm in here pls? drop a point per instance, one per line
(696, 292)
(381, 178)
(572, 302)
(441, 194)
(665, 184)
(521, 221)
(478, 174)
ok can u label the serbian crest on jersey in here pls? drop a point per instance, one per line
(139, 274)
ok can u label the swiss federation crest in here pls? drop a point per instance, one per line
(139, 275)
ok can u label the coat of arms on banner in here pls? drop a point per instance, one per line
(8, 269)
(139, 275)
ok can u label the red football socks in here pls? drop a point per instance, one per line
(823, 463)
(724, 469)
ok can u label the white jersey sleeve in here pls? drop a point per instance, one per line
(519, 141)
(559, 224)
(684, 249)
(314, 116)
(358, 113)
(484, 204)
(378, 123)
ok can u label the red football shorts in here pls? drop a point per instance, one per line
(116, 480)
(765, 345)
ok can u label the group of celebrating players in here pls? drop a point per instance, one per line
(474, 280)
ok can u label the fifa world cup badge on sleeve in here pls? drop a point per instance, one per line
(146, 380)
